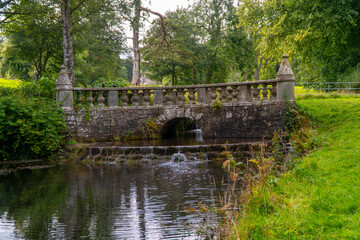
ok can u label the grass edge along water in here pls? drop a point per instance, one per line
(319, 197)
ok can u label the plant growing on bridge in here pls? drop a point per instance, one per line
(150, 130)
(217, 105)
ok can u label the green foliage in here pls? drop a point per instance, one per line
(29, 127)
(290, 116)
(150, 130)
(351, 75)
(217, 105)
(34, 38)
(202, 45)
(321, 36)
(120, 82)
(7, 83)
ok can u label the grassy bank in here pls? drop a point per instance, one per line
(9, 83)
(319, 198)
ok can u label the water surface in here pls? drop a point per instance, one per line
(130, 201)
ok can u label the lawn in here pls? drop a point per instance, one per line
(319, 198)
(9, 83)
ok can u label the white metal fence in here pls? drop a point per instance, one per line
(331, 87)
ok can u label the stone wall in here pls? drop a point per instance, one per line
(249, 120)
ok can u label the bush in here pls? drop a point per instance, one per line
(30, 127)
(44, 88)
(111, 83)
(353, 75)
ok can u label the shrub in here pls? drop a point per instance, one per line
(353, 75)
(29, 127)
(120, 82)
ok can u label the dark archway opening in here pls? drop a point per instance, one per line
(178, 128)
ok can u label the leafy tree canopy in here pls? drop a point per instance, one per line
(321, 36)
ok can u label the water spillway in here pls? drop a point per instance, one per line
(116, 153)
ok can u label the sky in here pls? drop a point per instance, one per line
(162, 6)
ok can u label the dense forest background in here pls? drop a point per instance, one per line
(210, 41)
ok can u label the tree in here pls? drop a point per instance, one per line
(321, 35)
(211, 17)
(99, 44)
(5, 12)
(171, 56)
(203, 44)
(135, 7)
(33, 35)
(76, 11)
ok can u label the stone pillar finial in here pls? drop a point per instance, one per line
(285, 71)
(64, 90)
(285, 80)
(63, 81)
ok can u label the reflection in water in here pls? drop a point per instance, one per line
(133, 201)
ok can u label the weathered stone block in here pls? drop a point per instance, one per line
(113, 99)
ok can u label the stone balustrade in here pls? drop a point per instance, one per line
(226, 93)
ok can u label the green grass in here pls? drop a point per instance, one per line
(300, 91)
(9, 83)
(320, 197)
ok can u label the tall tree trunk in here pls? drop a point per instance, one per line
(194, 73)
(68, 40)
(209, 75)
(136, 49)
(173, 75)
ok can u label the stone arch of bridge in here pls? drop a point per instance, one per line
(176, 126)
(172, 117)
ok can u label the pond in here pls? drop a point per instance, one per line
(134, 200)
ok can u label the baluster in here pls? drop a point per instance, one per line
(90, 99)
(273, 92)
(168, 96)
(245, 93)
(180, 97)
(235, 94)
(101, 99)
(147, 99)
(124, 98)
(81, 98)
(265, 92)
(141, 97)
(134, 98)
(256, 92)
(113, 99)
(158, 97)
(223, 95)
(213, 94)
(202, 95)
(191, 96)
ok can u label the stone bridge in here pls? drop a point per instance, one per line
(231, 110)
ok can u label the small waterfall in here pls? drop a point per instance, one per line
(197, 133)
(178, 157)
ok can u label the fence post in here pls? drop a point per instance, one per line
(64, 90)
(285, 81)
